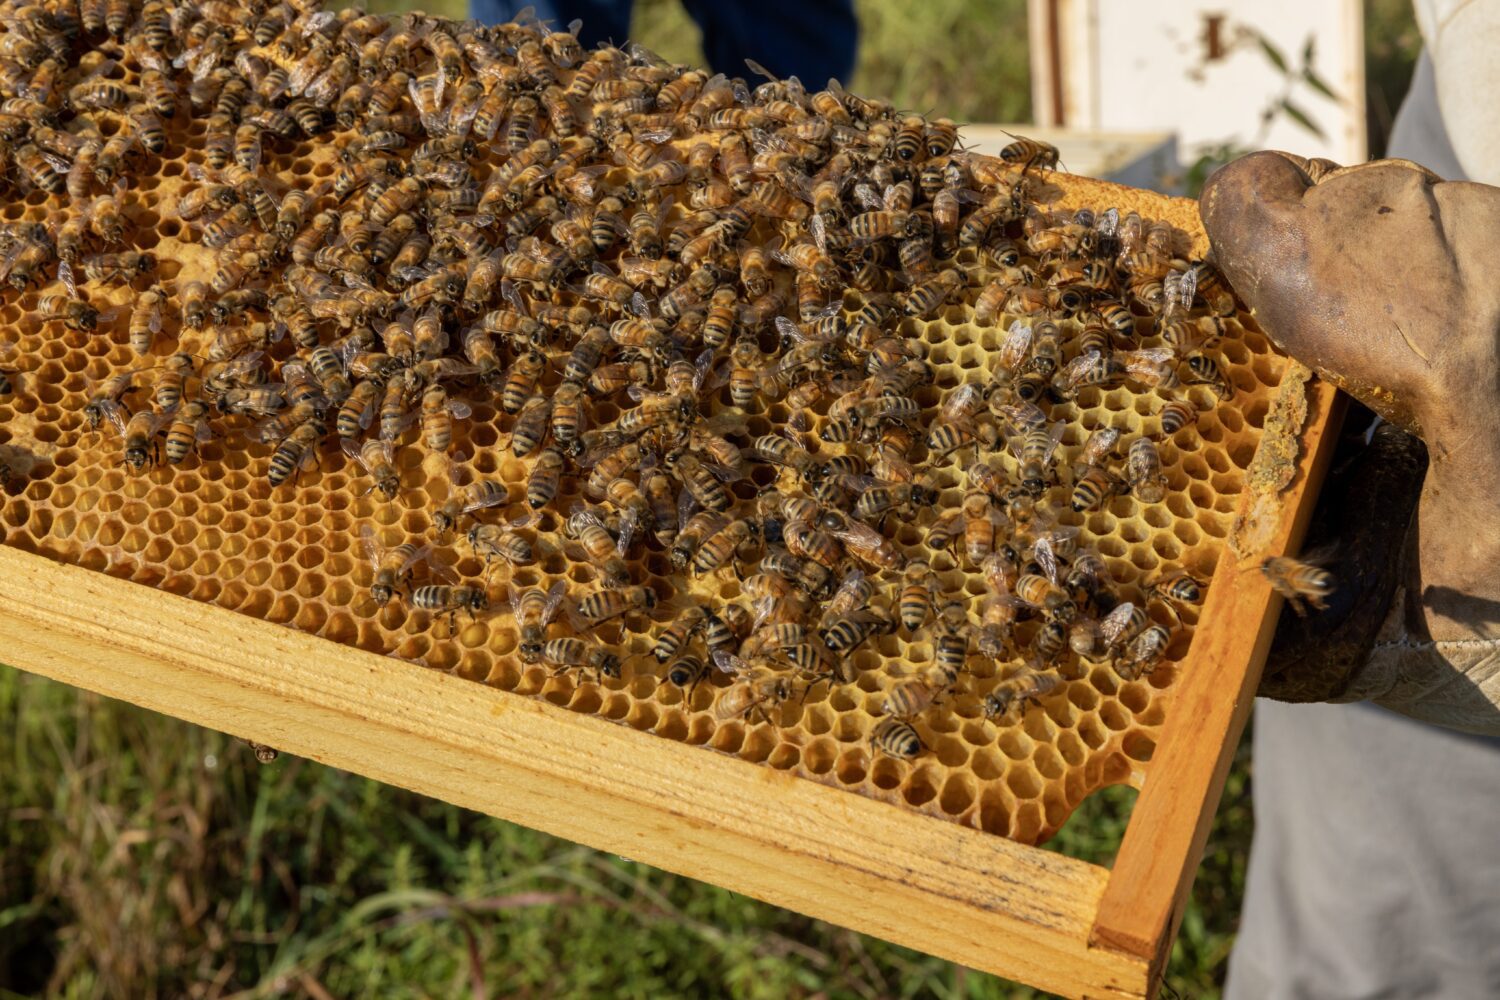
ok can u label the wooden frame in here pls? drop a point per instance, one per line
(1020, 912)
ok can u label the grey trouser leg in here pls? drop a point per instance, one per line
(1375, 869)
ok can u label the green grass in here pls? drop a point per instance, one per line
(141, 856)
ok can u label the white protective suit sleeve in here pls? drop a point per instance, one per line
(1463, 39)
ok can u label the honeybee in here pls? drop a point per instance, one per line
(1029, 152)
(444, 599)
(502, 541)
(546, 477)
(896, 738)
(146, 320)
(869, 546)
(1035, 450)
(297, 450)
(1029, 687)
(719, 547)
(73, 313)
(1144, 472)
(533, 610)
(378, 459)
(603, 605)
(1177, 588)
(1144, 652)
(756, 691)
(603, 549)
(915, 601)
(390, 568)
(573, 652)
(1299, 581)
(1095, 486)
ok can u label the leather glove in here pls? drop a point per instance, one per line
(1380, 278)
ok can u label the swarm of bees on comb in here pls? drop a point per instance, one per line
(761, 416)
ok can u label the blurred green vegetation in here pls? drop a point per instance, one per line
(141, 856)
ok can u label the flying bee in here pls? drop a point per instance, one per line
(896, 738)
(445, 599)
(1299, 581)
(1029, 687)
(390, 568)
(1144, 472)
(533, 610)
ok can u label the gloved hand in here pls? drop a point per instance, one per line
(1381, 278)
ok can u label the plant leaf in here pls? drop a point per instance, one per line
(1272, 53)
(1302, 118)
(1309, 49)
(1317, 83)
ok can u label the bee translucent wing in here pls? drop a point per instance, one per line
(115, 413)
(819, 233)
(417, 556)
(1046, 558)
(961, 403)
(459, 409)
(441, 572)
(1016, 346)
(574, 26)
(727, 663)
(65, 275)
(1148, 358)
(369, 544)
(510, 293)
(554, 599)
(640, 306)
(1022, 417)
(868, 197)
(1112, 626)
(789, 330)
(1055, 436)
(685, 505)
(489, 500)
(1109, 223)
(627, 531)
(758, 69)
(1075, 369)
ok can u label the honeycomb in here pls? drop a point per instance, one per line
(213, 529)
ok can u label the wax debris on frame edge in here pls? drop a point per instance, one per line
(510, 208)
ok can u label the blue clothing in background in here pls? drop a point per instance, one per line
(812, 40)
